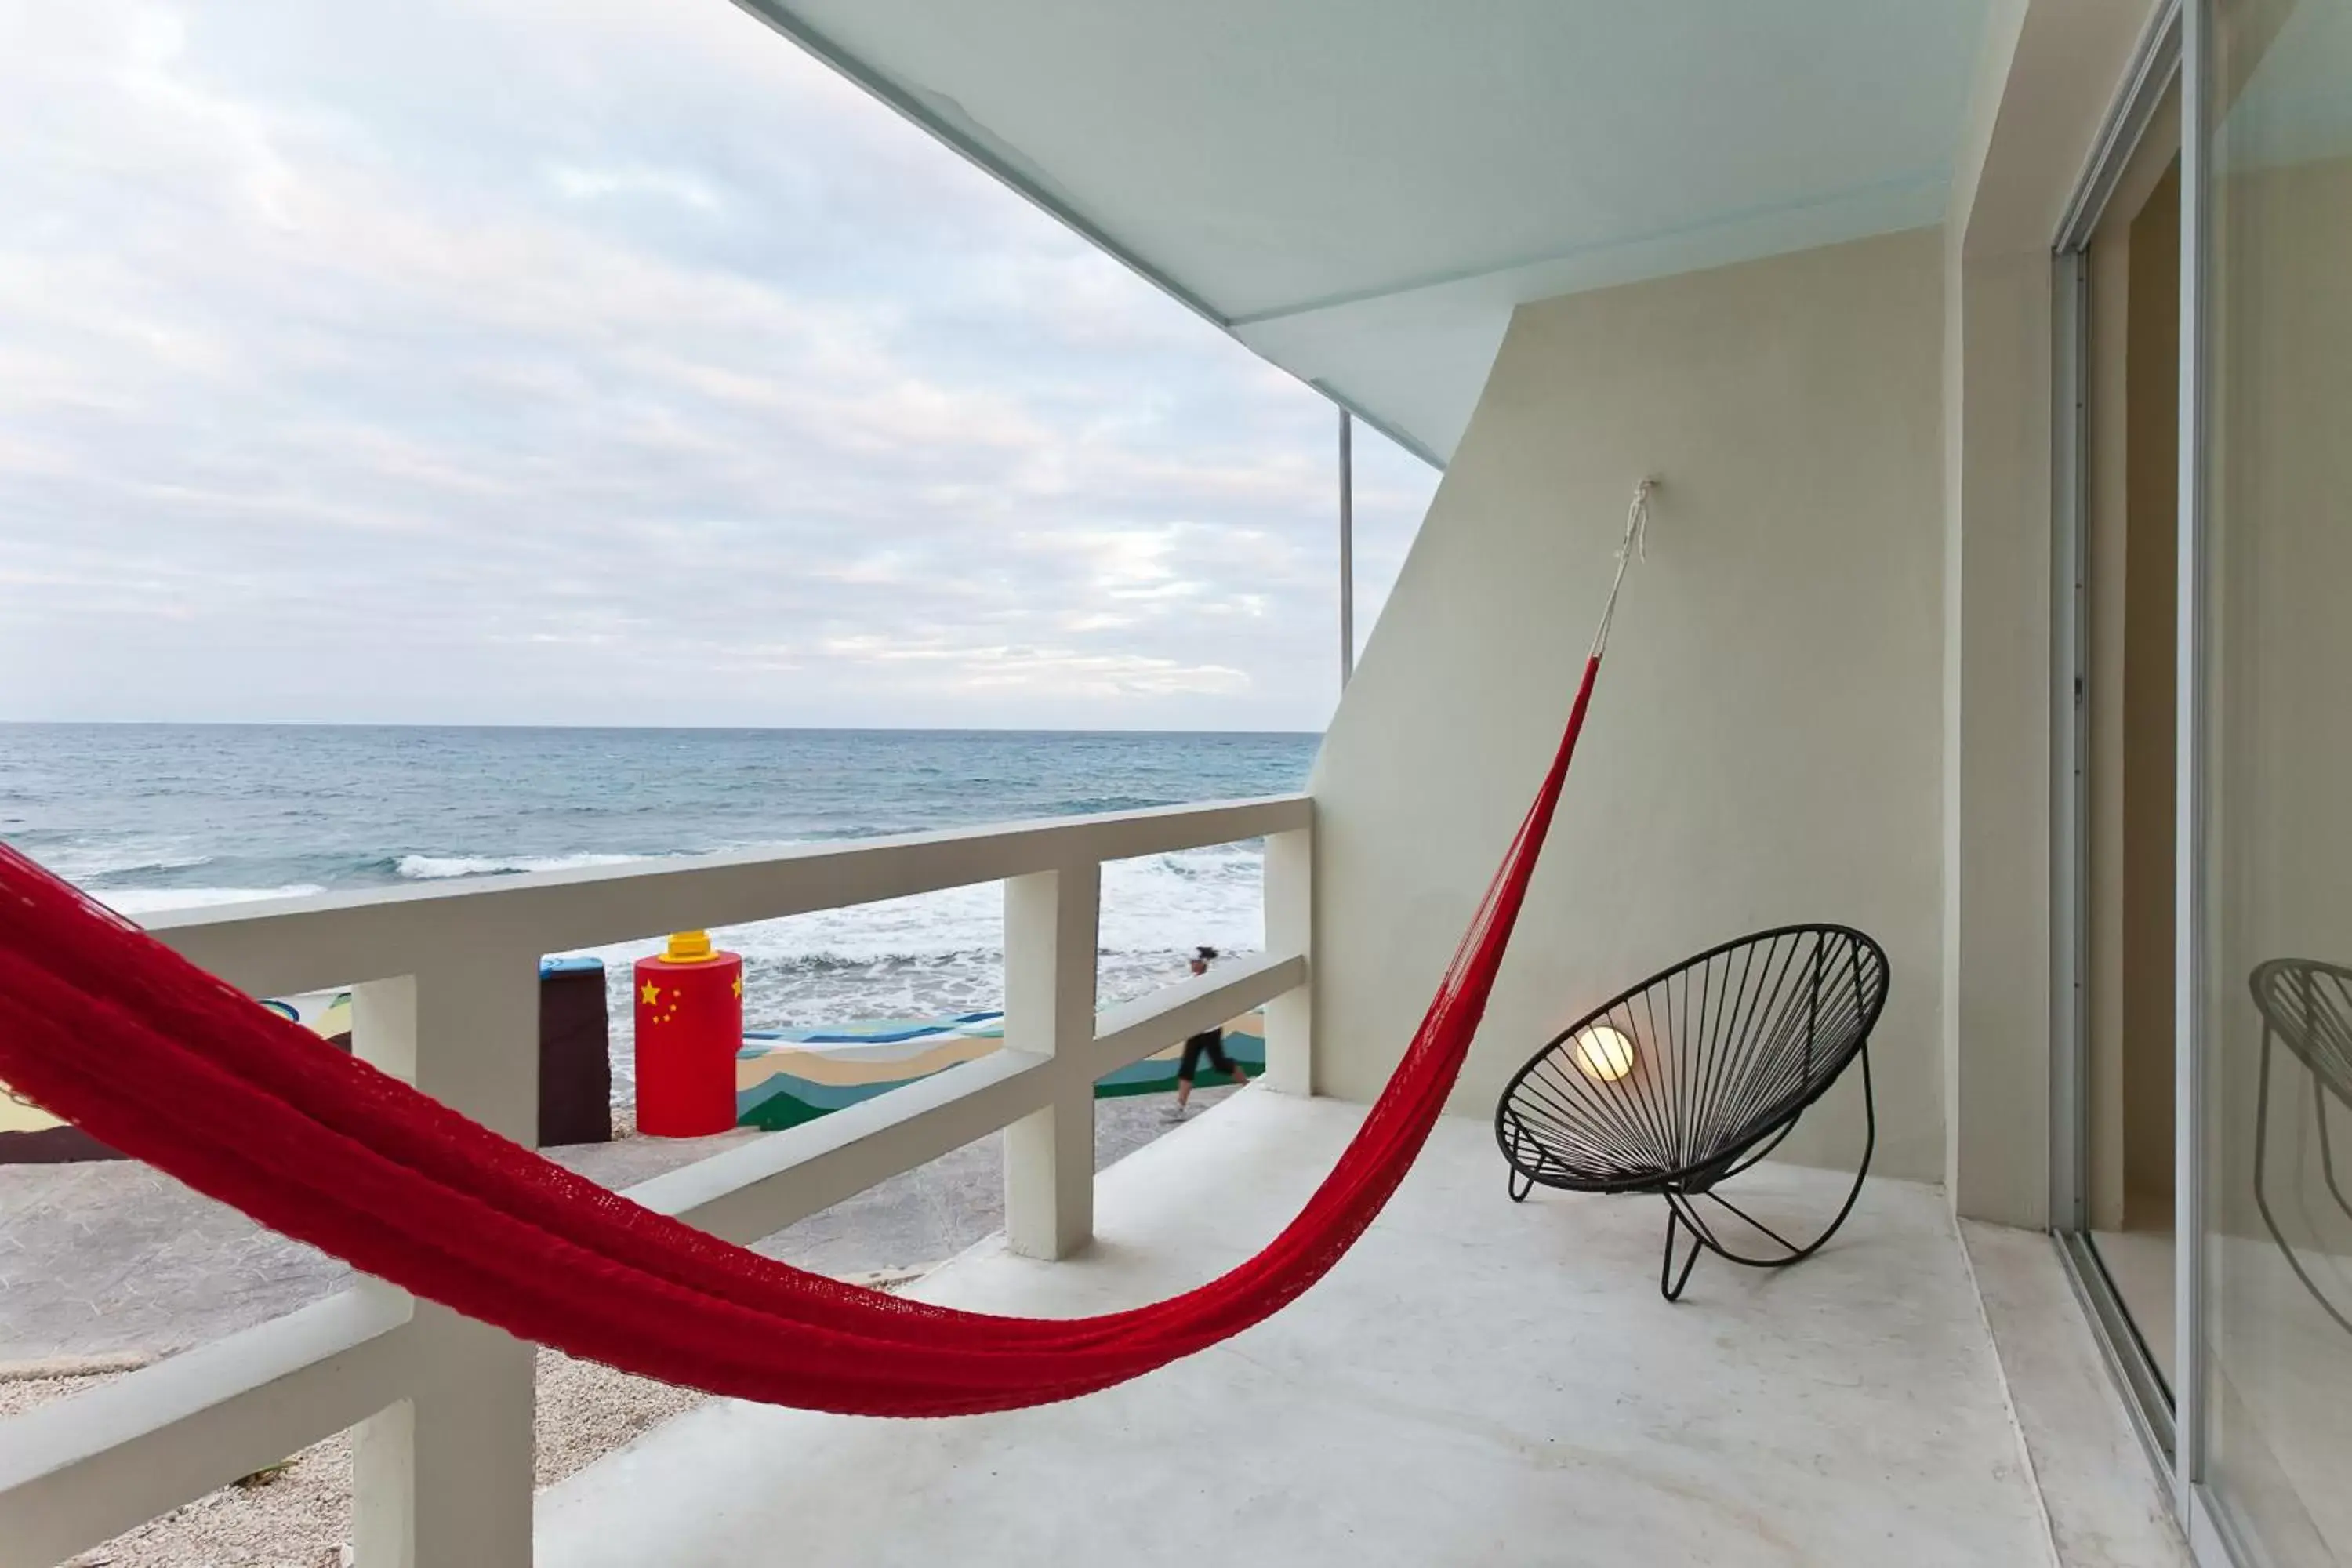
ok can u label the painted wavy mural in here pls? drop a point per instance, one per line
(782, 1077)
(786, 1077)
(30, 1135)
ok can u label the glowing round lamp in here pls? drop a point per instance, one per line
(1602, 1054)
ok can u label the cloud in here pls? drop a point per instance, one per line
(682, 186)
(450, 363)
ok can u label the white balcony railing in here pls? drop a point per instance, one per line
(446, 995)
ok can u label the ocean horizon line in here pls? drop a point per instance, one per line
(621, 729)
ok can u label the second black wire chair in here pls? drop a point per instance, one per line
(1681, 1082)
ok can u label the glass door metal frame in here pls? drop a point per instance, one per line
(2158, 62)
(2180, 45)
(2214, 1539)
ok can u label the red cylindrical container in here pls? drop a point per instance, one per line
(689, 1028)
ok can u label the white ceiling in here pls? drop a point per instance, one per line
(1361, 189)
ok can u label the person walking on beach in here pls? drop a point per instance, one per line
(1209, 1043)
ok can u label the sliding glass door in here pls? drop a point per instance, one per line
(2118, 278)
(2266, 925)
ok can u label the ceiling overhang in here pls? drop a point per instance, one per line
(1362, 192)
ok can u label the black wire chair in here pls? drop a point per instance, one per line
(1690, 1077)
(2308, 1005)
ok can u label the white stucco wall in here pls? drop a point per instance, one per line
(1765, 744)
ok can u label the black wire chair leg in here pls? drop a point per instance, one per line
(1721, 1202)
(1670, 1283)
(1522, 1179)
(1794, 1253)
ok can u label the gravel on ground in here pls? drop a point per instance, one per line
(76, 1281)
(300, 1516)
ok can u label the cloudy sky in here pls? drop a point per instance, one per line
(613, 362)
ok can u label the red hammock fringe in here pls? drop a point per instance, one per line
(108, 1028)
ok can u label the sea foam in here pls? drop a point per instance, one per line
(435, 868)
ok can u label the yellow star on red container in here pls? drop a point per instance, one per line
(650, 995)
(739, 988)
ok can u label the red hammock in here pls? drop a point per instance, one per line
(108, 1028)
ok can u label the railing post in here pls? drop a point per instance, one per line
(1050, 922)
(1290, 928)
(444, 1478)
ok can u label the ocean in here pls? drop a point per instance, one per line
(150, 818)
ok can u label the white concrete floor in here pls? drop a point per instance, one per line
(2107, 1505)
(1477, 1382)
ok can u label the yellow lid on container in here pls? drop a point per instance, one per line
(689, 947)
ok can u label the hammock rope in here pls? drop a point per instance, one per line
(106, 1027)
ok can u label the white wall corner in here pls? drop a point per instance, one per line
(1763, 747)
